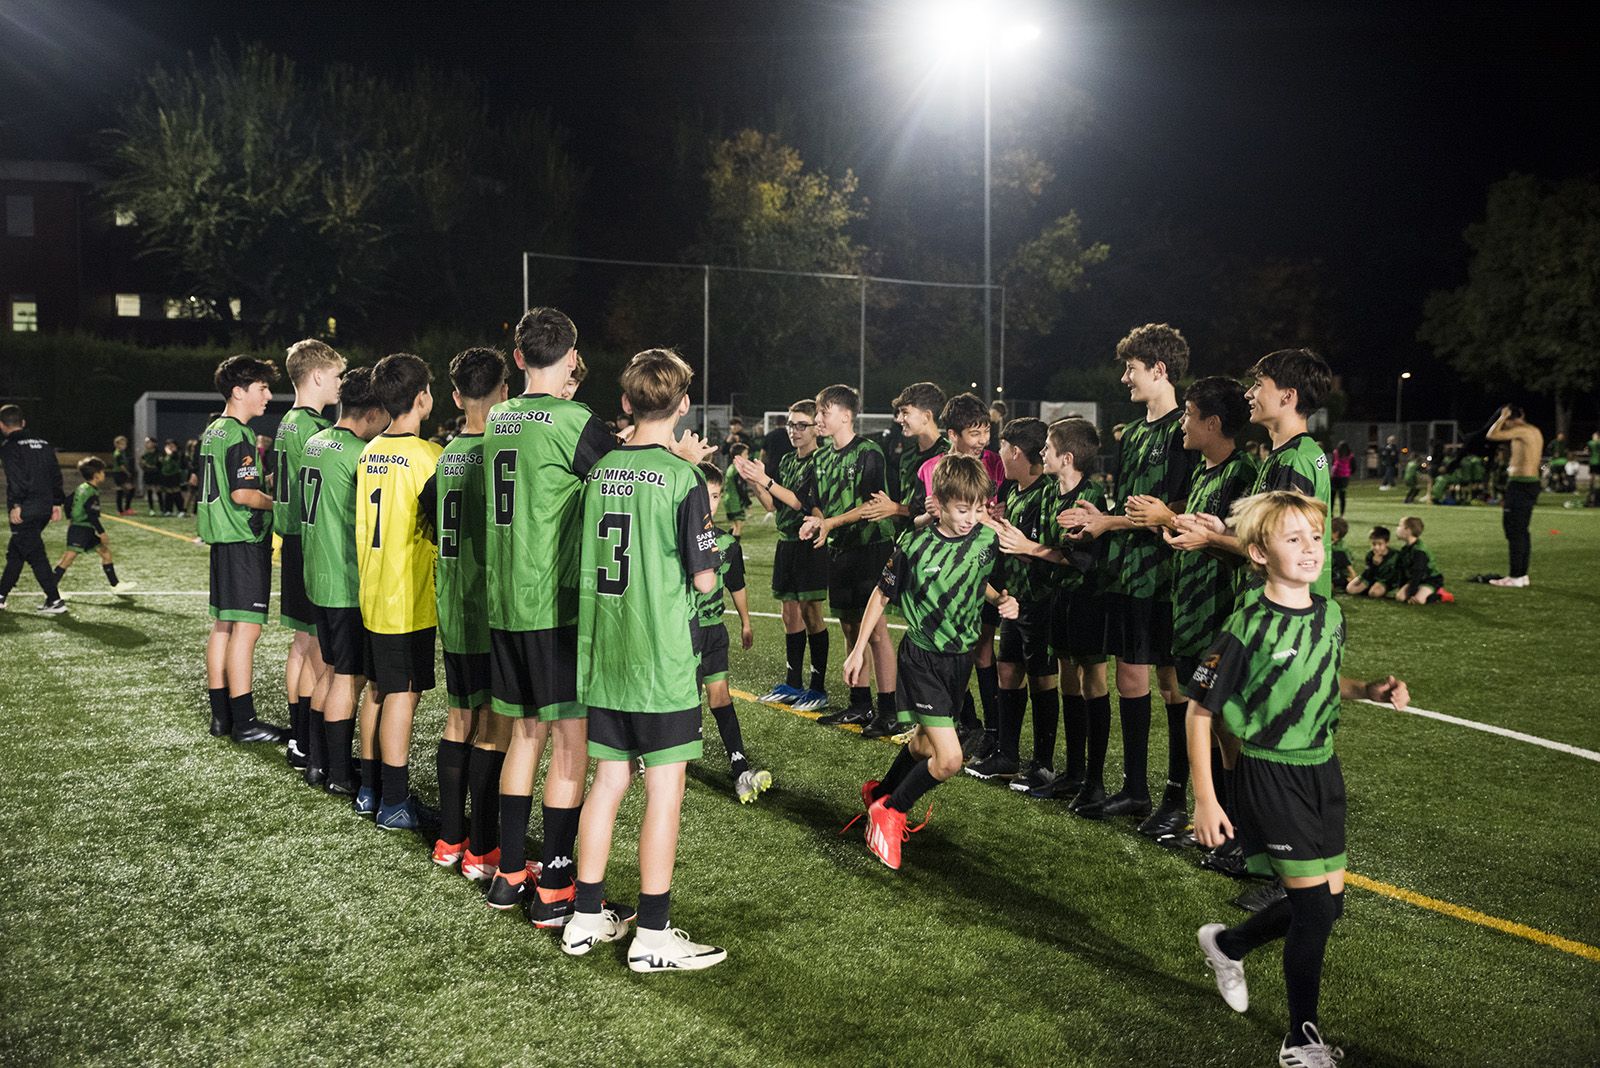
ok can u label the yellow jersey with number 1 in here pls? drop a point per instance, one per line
(394, 533)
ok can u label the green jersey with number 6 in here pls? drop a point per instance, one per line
(460, 519)
(328, 517)
(537, 451)
(295, 429)
(229, 462)
(646, 532)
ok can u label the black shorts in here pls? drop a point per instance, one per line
(931, 686)
(466, 679)
(1185, 666)
(1139, 629)
(711, 645)
(1078, 626)
(294, 606)
(852, 576)
(535, 673)
(342, 638)
(241, 581)
(401, 663)
(799, 572)
(82, 539)
(121, 479)
(1291, 816)
(1026, 640)
(654, 737)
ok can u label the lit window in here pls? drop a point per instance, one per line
(124, 217)
(24, 314)
(128, 305)
(235, 306)
(174, 308)
(19, 216)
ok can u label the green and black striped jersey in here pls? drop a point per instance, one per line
(1085, 570)
(1273, 677)
(1299, 464)
(709, 607)
(938, 582)
(845, 479)
(460, 518)
(1029, 579)
(797, 474)
(1415, 566)
(735, 498)
(1204, 583)
(537, 451)
(84, 508)
(229, 462)
(911, 461)
(1380, 570)
(1151, 461)
(289, 444)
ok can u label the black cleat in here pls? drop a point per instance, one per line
(850, 717)
(997, 767)
(506, 895)
(221, 728)
(981, 746)
(294, 757)
(1182, 839)
(1259, 897)
(340, 789)
(316, 776)
(259, 731)
(1123, 803)
(1059, 788)
(1034, 776)
(881, 726)
(1226, 859)
(1087, 803)
(1164, 821)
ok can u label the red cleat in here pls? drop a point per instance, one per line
(480, 868)
(886, 829)
(447, 854)
(1446, 597)
(867, 789)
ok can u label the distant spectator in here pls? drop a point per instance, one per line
(1388, 463)
(1339, 475)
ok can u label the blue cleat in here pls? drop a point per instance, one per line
(408, 815)
(366, 802)
(809, 701)
(780, 694)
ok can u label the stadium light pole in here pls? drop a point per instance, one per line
(1399, 384)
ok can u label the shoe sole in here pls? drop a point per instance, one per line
(763, 784)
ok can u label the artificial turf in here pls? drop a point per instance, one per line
(168, 898)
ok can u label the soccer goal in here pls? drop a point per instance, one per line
(180, 416)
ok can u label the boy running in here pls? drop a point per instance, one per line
(799, 568)
(479, 378)
(313, 367)
(235, 520)
(395, 556)
(85, 532)
(711, 644)
(648, 547)
(1272, 681)
(939, 575)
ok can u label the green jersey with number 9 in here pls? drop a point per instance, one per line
(459, 520)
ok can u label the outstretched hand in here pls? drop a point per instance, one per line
(691, 447)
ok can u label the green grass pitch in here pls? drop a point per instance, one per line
(171, 899)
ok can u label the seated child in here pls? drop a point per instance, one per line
(1417, 578)
(1343, 573)
(1377, 577)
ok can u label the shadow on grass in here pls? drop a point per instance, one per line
(114, 634)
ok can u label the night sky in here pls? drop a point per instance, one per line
(1364, 135)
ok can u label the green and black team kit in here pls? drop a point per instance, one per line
(1299, 464)
(1032, 581)
(710, 633)
(1204, 583)
(1341, 564)
(150, 470)
(537, 452)
(799, 569)
(239, 536)
(1151, 462)
(1272, 676)
(1415, 567)
(912, 494)
(460, 578)
(1078, 618)
(938, 582)
(297, 427)
(646, 532)
(844, 479)
(1377, 571)
(83, 519)
(328, 545)
(735, 498)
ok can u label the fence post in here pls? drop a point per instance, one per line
(705, 356)
(861, 354)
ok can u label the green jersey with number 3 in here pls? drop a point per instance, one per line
(327, 496)
(460, 521)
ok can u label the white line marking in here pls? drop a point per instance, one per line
(1489, 728)
(825, 619)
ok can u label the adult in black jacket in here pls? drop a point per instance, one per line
(34, 496)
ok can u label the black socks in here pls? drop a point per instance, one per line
(861, 698)
(396, 783)
(221, 716)
(590, 896)
(111, 572)
(732, 739)
(819, 660)
(452, 764)
(316, 739)
(916, 783)
(1045, 707)
(60, 573)
(243, 707)
(1013, 706)
(988, 687)
(1135, 715)
(483, 784)
(1075, 725)
(337, 737)
(372, 775)
(654, 911)
(886, 703)
(1268, 925)
(515, 810)
(1314, 910)
(1099, 740)
(1177, 745)
(903, 763)
(560, 838)
(794, 653)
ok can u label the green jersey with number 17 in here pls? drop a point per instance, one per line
(646, 532)
(537, 451)
(460, 520)
(328, 517)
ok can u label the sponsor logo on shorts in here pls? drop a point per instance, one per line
(923, 708)
(1278, 847)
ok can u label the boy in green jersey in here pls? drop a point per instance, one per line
(85, 532)
(799, 568)
(916, 410)
(1272, 681)
(150, 472)
(1417, 577)
(1342, 571)
(1413, 478)
(711, 644)
(575, 377)
(479, 379)
(1151, 462)
(1377, 577)
(1077, 615)
(939, 575)
(1203, 578)
(847, 476)
(1027, 502)
(735, 494)
(171, 478)
(313, 368)
(235, 520)
(648, 546)
(123, 474)
(333, 583)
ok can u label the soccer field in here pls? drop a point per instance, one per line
(172, 899)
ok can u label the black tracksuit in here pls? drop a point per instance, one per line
(34, 487)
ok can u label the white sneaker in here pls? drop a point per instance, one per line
(751, 785)
(125, 586)
(1517, 583)
(1230, 973)
(585, 931)
(1315, 1053)
(671, 951)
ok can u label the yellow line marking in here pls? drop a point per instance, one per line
(147, 526)
(1410, 897)
(1482, 919)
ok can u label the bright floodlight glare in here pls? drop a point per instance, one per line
(1405, 374)
(1020, 34)
(961, 28)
